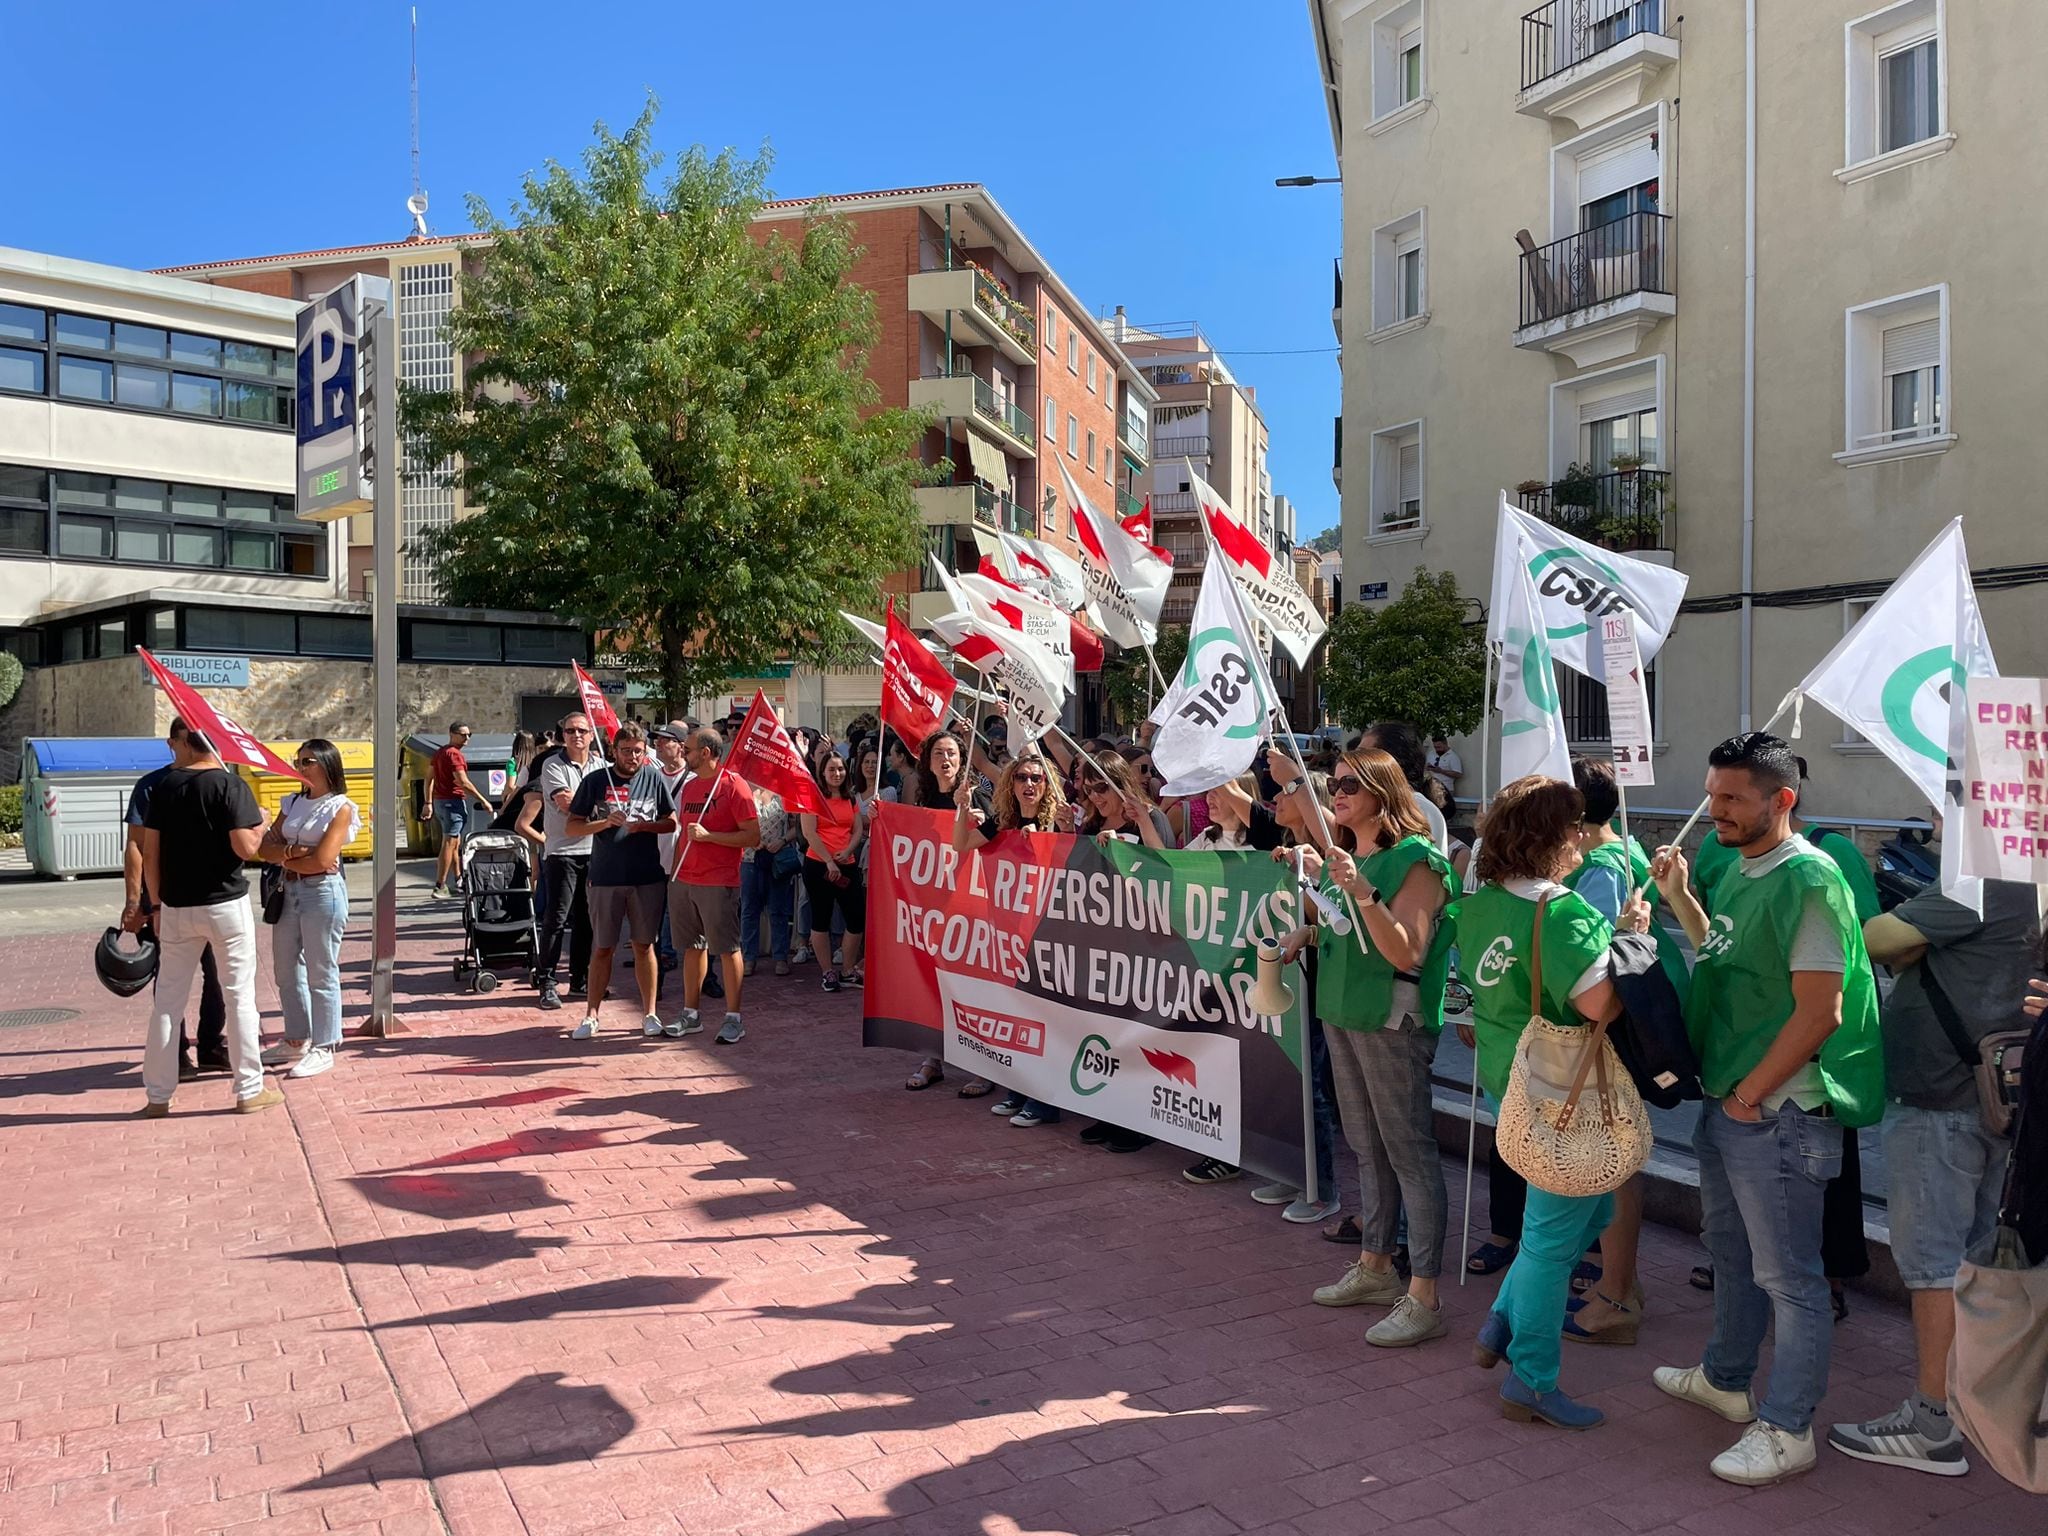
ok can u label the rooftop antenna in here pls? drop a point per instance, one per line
(416, 205)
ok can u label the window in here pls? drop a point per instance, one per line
(1052, 419)
(194, 395)
(327, 634)
(80, 378)
(1397, 480)
(149, 388)
(20, 323)
(1608, 174)
(543, 647)
(1073, 437)
(455, 642)
(1052, 330)
(1397, 60)
(24, 511)
(21, 372)
(149, 522)
(1896, 91)
(122, 363)
(1397, 272)
(1073, 350)
(426, 361)
(1897, 378)
(1091, 373)
(84, 332)
(239, 629)
(1091, 450)
(1582, 701)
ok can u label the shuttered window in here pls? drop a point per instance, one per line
(1616, 168)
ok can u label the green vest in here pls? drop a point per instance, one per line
(1494, 930)
(1855, 870)
(1714, 860)
(1354, 987)
(1632, 864)
(1742, 984)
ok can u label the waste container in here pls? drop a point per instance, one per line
(487, 756)
(74, 799)
(358, 758)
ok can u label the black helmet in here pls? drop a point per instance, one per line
(125, 972)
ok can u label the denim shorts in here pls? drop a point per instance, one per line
(1946, 1176)
(453, 815)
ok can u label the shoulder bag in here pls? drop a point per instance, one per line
(270, 884)
(1549, 1130)
(1993, 1062)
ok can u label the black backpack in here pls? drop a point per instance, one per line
(1650, 1036)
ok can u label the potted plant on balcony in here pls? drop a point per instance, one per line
(1635, 516)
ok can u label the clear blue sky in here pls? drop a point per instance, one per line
(1140, 157)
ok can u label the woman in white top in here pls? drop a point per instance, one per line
(305, 841)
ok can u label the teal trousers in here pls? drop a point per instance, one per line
(1556, 1232)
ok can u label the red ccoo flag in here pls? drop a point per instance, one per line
(916, 689)
(231, 744)
(765, 757)
(595, 704)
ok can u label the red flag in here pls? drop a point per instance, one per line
(916, 689)
(765, 757)
(231, 744)
(595, 704)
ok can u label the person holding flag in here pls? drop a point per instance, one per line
(716, 814)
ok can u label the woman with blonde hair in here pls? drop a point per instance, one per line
(1115, 804)
(1382, 1018)
(1028, 798)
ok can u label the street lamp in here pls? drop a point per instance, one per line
(1307, 181)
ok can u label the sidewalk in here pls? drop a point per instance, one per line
(484, 1279)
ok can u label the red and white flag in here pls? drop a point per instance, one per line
(1063, 633)
(231, 744)
(1127, 578)
(595, 704)
(1034, 682)
(917, 690)
(1036, 565)
(1139, 524)
(763, 756)
(1277, 603)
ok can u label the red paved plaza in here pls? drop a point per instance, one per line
(484, 1279)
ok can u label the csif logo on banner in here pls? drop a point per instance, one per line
(1227, 684)
(1094, 1065)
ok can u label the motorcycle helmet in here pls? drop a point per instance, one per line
(125, 972)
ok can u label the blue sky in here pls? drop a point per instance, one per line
(1139, 158)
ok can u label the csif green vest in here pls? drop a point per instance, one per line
(1354, 987)
(1494, 928)
(1742, 984)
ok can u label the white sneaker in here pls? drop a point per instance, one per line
(1276, 1194)
(1362, 1286)
(650, 1026)
(587, 1030)
(284, 1053)
(313, 1062)
(1304, 1212)
(686, 1023)
(1689, 1383)
(1764, 1455)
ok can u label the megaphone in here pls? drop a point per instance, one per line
(1271, 997)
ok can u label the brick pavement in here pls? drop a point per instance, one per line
(482, 1279)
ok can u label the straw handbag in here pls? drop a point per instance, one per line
(1549, 1130)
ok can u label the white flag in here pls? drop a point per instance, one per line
(1215, 712)
(1031, 616)
(1032, 678)
(868, 630)
(1277, 603)
(1127, 581)
(1576, 583)
(1532, 738)
(1897, 680)
(1030, 562)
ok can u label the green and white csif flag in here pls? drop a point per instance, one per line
(1897, 677)
(1576, 584)
(1532, 738)
(1215, 713)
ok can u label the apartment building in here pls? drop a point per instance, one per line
(1548, 223)
(974, 325)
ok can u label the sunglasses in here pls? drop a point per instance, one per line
(1027, 778)
(1347, 786)
(305, 762)
(575, 730)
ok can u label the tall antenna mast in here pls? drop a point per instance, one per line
(416, 205)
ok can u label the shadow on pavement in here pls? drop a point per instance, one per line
(472, 1248)
(625, 1293)
(456, 1196)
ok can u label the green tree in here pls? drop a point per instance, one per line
(1127, 680)
(1330, 540)
(668, 422)
(1415, 659)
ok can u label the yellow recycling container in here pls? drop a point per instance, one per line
(357, 760)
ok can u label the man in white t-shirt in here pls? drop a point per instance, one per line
(1445, 766)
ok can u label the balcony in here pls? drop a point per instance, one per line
(1131, 435)
(1631, 510)
(1595, 295)
(1189, 554)
(1194, 445)
(1585, 60)
(955, 506)
(975, 300)
(968, 397)
(1128, 505)
(1174, 504)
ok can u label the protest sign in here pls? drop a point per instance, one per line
(1114, 982)
(2004, 809)
(1628, 701)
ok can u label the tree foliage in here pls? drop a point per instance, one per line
(667, 422)
(1329, 541)
(1127, 680)
(1414, 659)
(10, 677)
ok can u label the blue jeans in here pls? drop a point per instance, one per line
(305, 950)
(1761, 1192)
(761, 887)
(1556, 1230)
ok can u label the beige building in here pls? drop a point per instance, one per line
(1706, 296)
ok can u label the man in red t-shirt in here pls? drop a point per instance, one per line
(451, 785)
(704, 895)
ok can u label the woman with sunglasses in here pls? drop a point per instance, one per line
(1528, 846)
(1115, 805)
(305, 841)
(1382, 1019)
(1027, 800)
(940, 778)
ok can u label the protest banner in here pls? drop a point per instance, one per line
(2003, 813)
(1127, 578)
(1114, 982)
(230, 743)
(1628, 702)
(1532, 734)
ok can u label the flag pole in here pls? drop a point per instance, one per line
(1312, 1184)
(1471, 1156)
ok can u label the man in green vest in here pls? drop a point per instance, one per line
(1783, 1014)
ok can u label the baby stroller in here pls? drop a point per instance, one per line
(497, 908)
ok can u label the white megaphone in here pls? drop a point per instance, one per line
(1271, 997)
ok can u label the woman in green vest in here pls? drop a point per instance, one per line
(1382, 1021)
(1528, 845)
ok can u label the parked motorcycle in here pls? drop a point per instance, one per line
(1905, 866)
